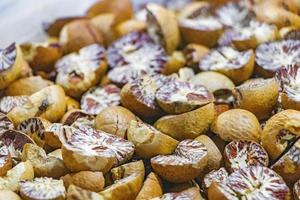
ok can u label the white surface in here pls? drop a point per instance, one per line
(21, 20)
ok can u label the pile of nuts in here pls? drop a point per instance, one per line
(172, 100)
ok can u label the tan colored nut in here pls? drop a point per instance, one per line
(237, 124)
(5, 160)
(136, 167)
(8, 194)
(175, 62)
(72, 115)
(187, 125)
(151, 188)
(72, 103)
(48, 103)
(194, 53)
(129, 26)
(56, 153)
(281, 129)
(51, 135)
(289, 33)
(77, 193)
(114, 120)
(191, 193)
(5, 123)
(219, 176)
(7, 103)
(78, 34)
(93, 181)
(258, 96)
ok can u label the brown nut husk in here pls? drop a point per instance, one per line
(151, 188)
(147, 140)
(187, 125)
(48, 103)
(258, 96)
(237, 124)
(129, 26)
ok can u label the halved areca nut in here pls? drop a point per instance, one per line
(7, 103)
(186, 163)
(219, 176)
(89, 149)
(77, 72)
(48, 103)
(192, 193)
(135, 167)
(77, 193)
(148, 140)
(71, 116)
(5, 160)
(51, 135)
(281, 130)
(238, 66)
(151, 188)
(296, 190)
(5, 123)
(289, 33)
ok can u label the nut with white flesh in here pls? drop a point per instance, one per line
(51, 135)
(5, 123)
(219, 176)
(288, 165)
(22, 171)
(42, 188)
(77, 193)
(139, 95)
(162, 27)
(94, 150)
(43, 165)
(98, 98)
(192, 193)
(5, 160)
(238, 66)
(240, 154)
(48, 103)
(147, 140)
(256, 182)
(280, 131)
(11, 65)
(77, 72)
(177, 97)
(152, 188)
(237, 124)
(185, 164)
(8, 194)
(289, 33)
(296, 190)
(272, 56)
(258, 96)
(7, 103)
(73, 115)
(127, 60)
(289, 80)
(187, 125)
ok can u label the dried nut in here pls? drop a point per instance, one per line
(7, 103)
(177, 97)
(191, 193)
(15, 141)
(5, 160)
(34, 127)
(5, 123)
(175, 62)
(217, 83)
(238, 66)
(51, 135)
(77, 193)
(198, 25)
(193, 54)
(288, 165)
(151, 188)
(219, 176)
(288, 79)
(98, 98)
(179, 187)
(71, 116)
(8, 194)
(139, 95)
(213, 154)
(258, 96)
(185, 74)
(162, 27)
(265, 184)
(240, 154)
(289, 33)
(296, 190)
(283, 53)
(114, 120)
(93, 181)
(42, 56)
(186, 163)
(237, 124)
(147, 140)
(78, 34)
(22, 171)
(195, 123)
(56, 153)
(129, 26)
(127, 61)
(280, 131)
(11, 65)
(77, 72)
(92, 150)
(72, 103)
(43, 165)
(136, 167)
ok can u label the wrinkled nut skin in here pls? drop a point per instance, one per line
(8, 194)
(114, 120)
(151, 188)
(5, 160)
(175, 62)
(78, 34)
(48, 103)
(93, 181)
(279, 131)
(27, 86)
(258, 96)
(129, 26)
(187, 125)
(194, 53)
(237, 124)
(77, 193)
(163, 24)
